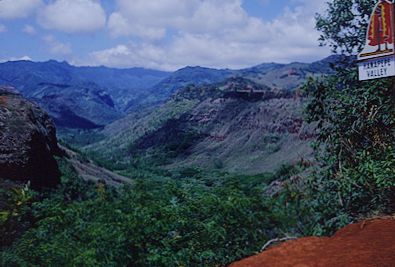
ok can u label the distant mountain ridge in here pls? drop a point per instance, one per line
(274, 75)
(91, 97)
(179, 79)
(79, 97)
(288, 76)
(119, 83)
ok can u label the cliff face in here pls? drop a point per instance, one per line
(27, 141)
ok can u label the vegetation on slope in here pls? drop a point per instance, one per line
(356, 127)
(236, 125)
(185, 218)
(196, 218)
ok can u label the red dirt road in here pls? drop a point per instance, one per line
(366, 244)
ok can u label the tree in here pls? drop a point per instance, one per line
(343, 25)
(355, 125)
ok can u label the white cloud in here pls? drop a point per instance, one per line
(56, 47)
(3, 28)
(187, 16)
(15, 59)
(210, 33)
(11, 9)
(143, 55)
(120, 26)
(29, 29)
(73, 16)
(24, 58)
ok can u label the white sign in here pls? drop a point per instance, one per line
(377, 68)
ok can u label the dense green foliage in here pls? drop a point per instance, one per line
(355, 148)
(343, 25)
(186, 219)
(355, 126)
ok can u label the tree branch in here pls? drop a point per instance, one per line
(270, 242)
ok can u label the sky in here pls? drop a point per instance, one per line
(161, 34)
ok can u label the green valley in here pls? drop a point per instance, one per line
(104, 166)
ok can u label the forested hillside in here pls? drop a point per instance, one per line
(236, 125)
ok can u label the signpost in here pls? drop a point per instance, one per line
(377, 59)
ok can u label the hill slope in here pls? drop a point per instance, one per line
(288, 76)
(177, 80)
(364, 244)
(236, 125)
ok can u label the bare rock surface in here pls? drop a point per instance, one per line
(89, 171)
(28, 141)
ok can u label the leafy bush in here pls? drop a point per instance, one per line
(355, 123)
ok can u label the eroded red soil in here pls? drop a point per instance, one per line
(366, 244)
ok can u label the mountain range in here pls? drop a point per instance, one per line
(92, 97)
(79, 97)
(244, 121)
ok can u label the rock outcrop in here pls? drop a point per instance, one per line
(28, 141)
(365, 244)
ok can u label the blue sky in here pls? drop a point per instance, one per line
(160, 34)
(267, 10)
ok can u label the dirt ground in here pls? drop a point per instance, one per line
(366, 244)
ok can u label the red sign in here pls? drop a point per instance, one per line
(380, 33)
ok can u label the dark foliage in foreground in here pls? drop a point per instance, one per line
(190, 219)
